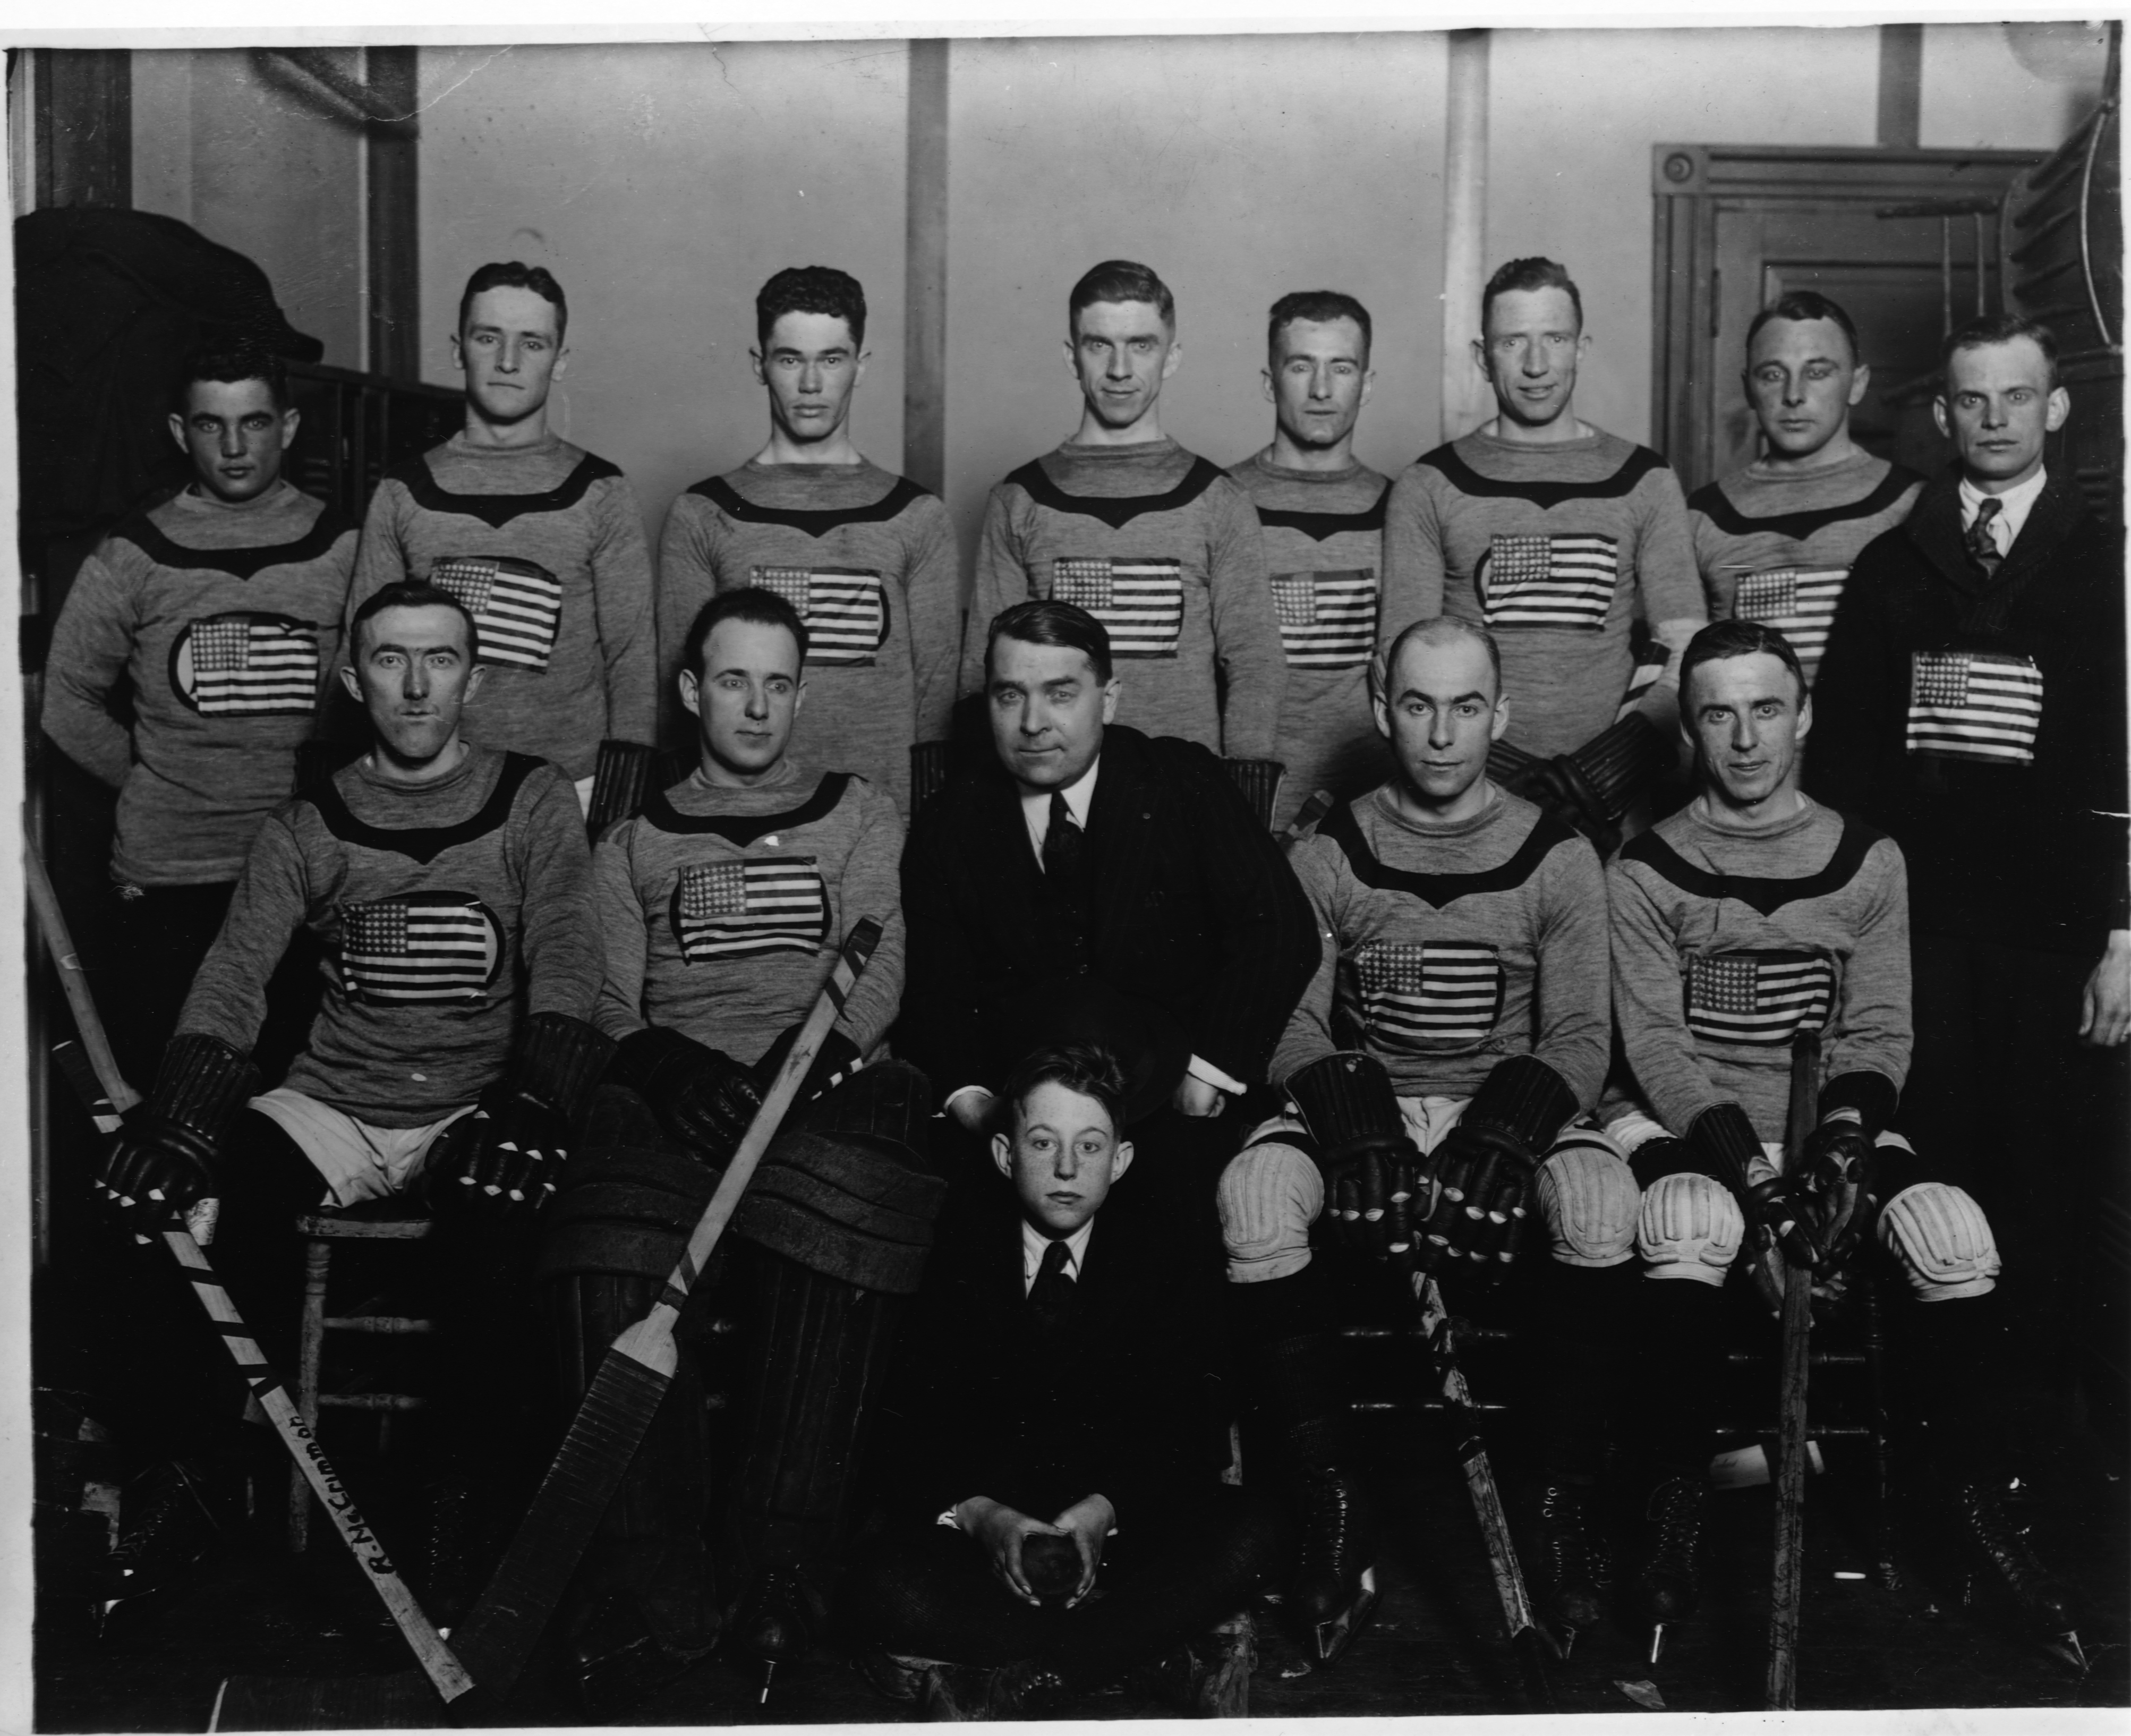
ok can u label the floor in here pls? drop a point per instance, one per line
(1435, 1644)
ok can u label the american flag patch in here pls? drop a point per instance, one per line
(516, 606)
(1139, 600)
(1975, 705)
(1797, 601)
(1759, 997)
(733, 910)
(248, 665)
(1548, 581)
(423, 945)
(845, 609)
(1328, 621)
(1435, 991)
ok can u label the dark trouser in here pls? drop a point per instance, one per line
(2006, 1100)
(927, 1590)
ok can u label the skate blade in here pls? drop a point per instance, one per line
(1657, 1641)
(1331, 1638)
(1559, 1638)
(2067, 1649)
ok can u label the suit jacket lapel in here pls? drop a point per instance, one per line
(1121, 824)
(1934, 526)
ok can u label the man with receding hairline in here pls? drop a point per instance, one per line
(1554, 535)
(1775, 540)
(540, 540)
(1156, 544)
(1322, 513)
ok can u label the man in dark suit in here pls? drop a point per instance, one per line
(1059, 1431)
(1093, 881)
(1972, 703)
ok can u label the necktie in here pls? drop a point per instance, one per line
(1052, 1297)
(1062, 842)
(1982, 546)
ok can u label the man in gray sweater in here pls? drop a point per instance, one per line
(222, 608)
(1321, 511)
(1157, 545)
(721, 907)
(540, 540)
(866, 557)
(1750, 916)
(1554, 535)
(450, 884)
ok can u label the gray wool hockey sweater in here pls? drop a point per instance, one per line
(1448, 949)
(1775, 546)
(545, 545)
(227, 620)
(1727, 943)
(1323, 535)
(1550, 548)
(869, 560)
(721, 911)
(448, 911)
(1165, 551)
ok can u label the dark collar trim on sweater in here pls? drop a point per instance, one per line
(1034, 481)
(743, 829)
(424, 843)
(1318, 525)
(1716, 506)
(1757, 892)
(1639, 463)
(815, 522)
(240, 564)
(1439, 889)
(497, 510)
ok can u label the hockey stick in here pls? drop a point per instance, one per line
(1525, 1637)
(1788, 1590)
(94, 1073)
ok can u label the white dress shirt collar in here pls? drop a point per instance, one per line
(1036, 808)
(2013, 505)
(1034, 1241)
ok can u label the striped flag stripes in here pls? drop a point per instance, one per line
(1429, 992)
(1541, 581)
(845, 609)
(1797, 601)
(1759, 997)
(516, 604)
(247, 664)
(737, 909)
(1139, 599)
(1975, 705)
(421, 946)
(1328, 621)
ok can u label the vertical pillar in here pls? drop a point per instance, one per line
(1464, 231)
(1901, 83)
(392, 285)
(925, 270)
(84, 127)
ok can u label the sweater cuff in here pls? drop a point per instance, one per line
(1872, 1095)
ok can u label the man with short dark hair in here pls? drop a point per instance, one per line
(1456, 1020)
(541, 540)
(1322, 513)
(222, 609)
(1775, 540)
(1055, 1438)
(1753, 915)
(1971, 702)
(1157, 545)
(1554, 535)
(1091, 872)
(721, 907)
(867, 558)
(451, 885)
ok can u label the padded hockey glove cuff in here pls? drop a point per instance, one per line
(1514, 769)
(1369, 1163)
(509, 1150)
(1525, 1099)
(1724, 1143)
(167, 1155)
(701, 1095)
(1602, 777)
(1873, 1096)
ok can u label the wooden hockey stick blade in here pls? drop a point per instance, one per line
(505, 1623)
(444, 1673)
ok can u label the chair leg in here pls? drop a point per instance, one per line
(1882, 1484)
(317, 1258)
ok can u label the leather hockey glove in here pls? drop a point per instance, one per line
(1370, 1164)
(1724, 1144)
(836, 1060)
(701, 1095)
(506, 1154)
(1841, 1156)
(167, 1154)
(1484, 1164)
